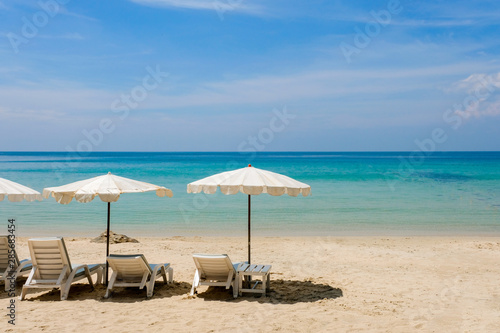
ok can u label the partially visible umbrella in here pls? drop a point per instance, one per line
(108, 188)
(251, 181)
(16, 192)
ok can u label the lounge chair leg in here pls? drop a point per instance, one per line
(4, 279)
(99, 276)
(89, 277)
(65, 290)
(164, 274)
(150, 287)
(170, 275)
(23, 293)
(235, 289)
(196, 281)
(111, 285)
(240, 284)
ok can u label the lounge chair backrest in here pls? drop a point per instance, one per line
(129, 267)
(4, 254)
(212, 266)
(49, 256)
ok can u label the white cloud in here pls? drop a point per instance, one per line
(478, 81)
(483, 95)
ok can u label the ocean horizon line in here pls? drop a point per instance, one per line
(247, 152)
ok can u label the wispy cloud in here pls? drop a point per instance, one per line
(436, 14)
(13, 69)
(27, 100)
(241, 6)
(69, 35)
(436, 23)
(401, 20)
(191, 4)
(323, 85)
(477, 10)
(65, 11)
(315, 84)
(30, 114)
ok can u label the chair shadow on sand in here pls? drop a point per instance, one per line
(281, 292)
(80, 292)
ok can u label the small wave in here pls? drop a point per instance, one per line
(443, 176)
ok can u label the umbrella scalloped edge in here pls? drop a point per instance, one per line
(250, 190)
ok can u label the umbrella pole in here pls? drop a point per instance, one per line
(107, 242)
(249, 208)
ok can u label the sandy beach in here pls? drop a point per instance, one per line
(349, 284)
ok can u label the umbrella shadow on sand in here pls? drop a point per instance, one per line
(80, 292)
(282, 292)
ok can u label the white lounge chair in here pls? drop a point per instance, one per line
(53, 269)
(134, 271)
(215, 270)
(10, 266)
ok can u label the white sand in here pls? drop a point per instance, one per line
(371, 284)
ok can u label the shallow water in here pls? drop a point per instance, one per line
(380, 193)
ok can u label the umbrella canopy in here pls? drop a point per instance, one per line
(108, 187)
(16, 192)
(251, 181)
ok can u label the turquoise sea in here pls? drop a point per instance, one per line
(372, 193)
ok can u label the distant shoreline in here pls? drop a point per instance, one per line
(214, 233)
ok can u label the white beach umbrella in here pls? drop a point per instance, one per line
(108, 187)
(251, 181)
(16, 192)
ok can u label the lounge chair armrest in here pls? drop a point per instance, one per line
(158, 267)
(76, 268)
(23, 264)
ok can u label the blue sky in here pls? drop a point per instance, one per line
(229, 75)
